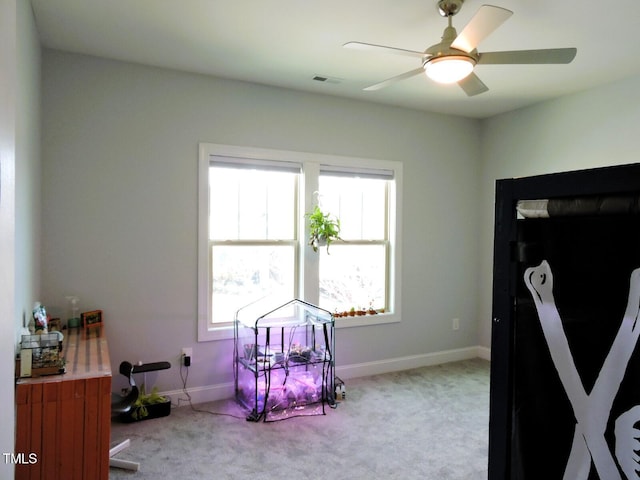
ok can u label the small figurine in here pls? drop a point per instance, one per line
(39, 318)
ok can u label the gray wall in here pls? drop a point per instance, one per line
(595, 128)
(119, 192)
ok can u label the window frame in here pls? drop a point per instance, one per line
(308, 261)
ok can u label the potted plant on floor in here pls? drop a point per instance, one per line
(149, 405)
(324, 228)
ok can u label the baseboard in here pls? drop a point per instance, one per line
(207, 393)
(210, 393)
(409, 362)
(484, 353)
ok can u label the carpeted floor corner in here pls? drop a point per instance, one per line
(427, 423)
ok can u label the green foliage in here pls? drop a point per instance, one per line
(145, 399)
(323, 228)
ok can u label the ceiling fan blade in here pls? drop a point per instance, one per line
(483, 23)
(392, 80)
(546, 56)
(382, 48)
(472, 85)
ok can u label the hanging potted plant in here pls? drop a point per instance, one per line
(324, 228)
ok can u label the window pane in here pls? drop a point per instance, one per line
(244, 274)
(352, 276)
(251, 204)
(359, 203)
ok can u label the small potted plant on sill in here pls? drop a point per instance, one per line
(324, 228)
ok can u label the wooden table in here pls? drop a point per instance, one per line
(63, 422)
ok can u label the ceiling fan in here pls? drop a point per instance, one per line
(454, 58)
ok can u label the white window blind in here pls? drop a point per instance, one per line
(358, 172)
(255, 164)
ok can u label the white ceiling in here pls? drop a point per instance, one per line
(287, 42)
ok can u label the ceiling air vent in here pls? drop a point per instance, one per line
(325, 79)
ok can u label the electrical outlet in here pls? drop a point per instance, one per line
(456, 324)
(187, 352)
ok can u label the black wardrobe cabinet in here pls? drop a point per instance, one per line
(565, 370)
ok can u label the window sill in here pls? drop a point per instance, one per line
(226, 332)
(367, 320)
(216, 333)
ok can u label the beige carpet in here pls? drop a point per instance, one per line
(426, 423)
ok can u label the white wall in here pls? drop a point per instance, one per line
(19, 197)
(595, 128)
(7, 223)
(119, 190)
(28, 182)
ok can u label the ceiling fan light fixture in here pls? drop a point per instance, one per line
(449, 69)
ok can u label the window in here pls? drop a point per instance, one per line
(353, 273)
(252, 241)
(252, 236)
